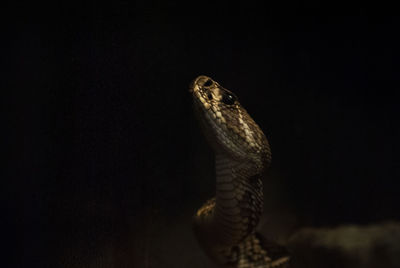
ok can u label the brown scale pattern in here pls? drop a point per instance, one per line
(257, 252)
(250, 201)
(225, 226)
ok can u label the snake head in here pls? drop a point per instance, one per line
(227, 125)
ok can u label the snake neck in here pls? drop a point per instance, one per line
(239, 199)
(234, 213)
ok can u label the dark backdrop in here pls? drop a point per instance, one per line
(105, 154)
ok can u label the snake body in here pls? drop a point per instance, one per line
(225, 225)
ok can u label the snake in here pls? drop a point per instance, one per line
(225, 225)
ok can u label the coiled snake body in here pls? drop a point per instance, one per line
(225, 225)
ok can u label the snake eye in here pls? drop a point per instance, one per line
(209, 96)
(208, 83)
(228, 98)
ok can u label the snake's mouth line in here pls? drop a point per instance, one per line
(192, 85)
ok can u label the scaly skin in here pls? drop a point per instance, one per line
(225, 225)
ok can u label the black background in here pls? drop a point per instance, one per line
(104, 150)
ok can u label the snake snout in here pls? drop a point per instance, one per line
(201, 83)
(204, 81)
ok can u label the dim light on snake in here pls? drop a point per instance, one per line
(225, 225)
